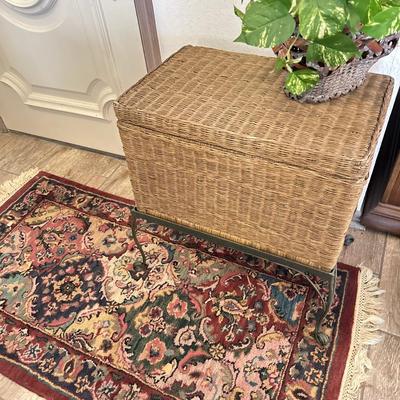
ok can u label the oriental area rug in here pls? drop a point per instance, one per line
(81, 318)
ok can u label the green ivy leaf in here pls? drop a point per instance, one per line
(394, 3)
(288, 3)
(298, 82)
(333, 51)
(280, 63)
(238, 12)
(320, 18)
(354, 19)
(366, 9)
(294, 7)
(241, 38)
(384, 23)
(266, 23)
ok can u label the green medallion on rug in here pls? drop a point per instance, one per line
(81, 318)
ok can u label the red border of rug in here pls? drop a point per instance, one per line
(345, 328)
(341, 349)
(23, 188)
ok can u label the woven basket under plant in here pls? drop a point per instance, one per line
(348, 77)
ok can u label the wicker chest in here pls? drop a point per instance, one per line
(213, 143)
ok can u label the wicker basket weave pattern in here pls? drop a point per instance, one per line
(213, 143)
(345, 79)
(349, 76)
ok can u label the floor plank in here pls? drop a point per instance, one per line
(24, 152)
(78, 164)
(5, 138)
(6, 176)
(384, 381)
(119, 183)
(367, 249)
(390, 282)
(11, 391)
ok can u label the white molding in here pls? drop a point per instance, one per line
(108, 58)
(37, 16)
(30, 7)
(93, 103)
(100, 92)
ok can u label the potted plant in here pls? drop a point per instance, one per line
(326, 46)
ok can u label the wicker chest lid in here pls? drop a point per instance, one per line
(236, 102)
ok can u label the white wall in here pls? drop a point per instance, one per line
(212, 23)
(209, 23)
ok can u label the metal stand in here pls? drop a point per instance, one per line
(320, 337)
(328, 277)
(135, 238)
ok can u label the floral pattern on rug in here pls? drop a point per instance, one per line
(81, 313)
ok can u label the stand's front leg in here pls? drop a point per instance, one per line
(136, 240)
(321, 337)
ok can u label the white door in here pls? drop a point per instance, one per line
(62, 62)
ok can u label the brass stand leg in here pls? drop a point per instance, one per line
(134, 234)
(320, 337)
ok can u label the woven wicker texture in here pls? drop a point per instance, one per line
(213, 143)
(342, 81)
(347, 77)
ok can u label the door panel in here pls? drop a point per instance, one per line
(62, 63)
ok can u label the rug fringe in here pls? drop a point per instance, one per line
(8, 188)
(365, 333)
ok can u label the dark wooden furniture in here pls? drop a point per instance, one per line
(382, 207)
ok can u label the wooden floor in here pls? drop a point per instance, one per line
(378, 251)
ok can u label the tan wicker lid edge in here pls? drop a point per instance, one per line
(383, 109)
(359, 165)
(360, 174)
(170, 126)
(121, 98)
